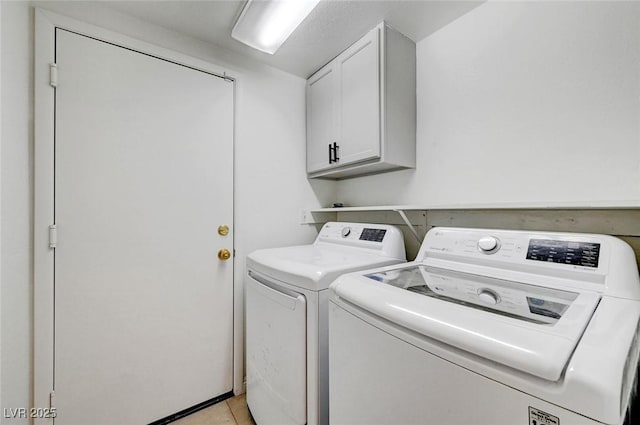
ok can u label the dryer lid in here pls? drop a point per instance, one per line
(528, 327)
(313, 267)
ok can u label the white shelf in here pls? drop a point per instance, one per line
(605, 205)
(369, 208)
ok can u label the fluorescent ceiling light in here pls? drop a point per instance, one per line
(266, 24)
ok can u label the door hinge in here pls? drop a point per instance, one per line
(53, 236)
(52, 400)
(53, 75)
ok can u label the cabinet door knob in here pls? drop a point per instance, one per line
(336, 158)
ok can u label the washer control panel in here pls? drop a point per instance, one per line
(534, 249)
(581, 261)
(576, 253)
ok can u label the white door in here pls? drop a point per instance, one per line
(276, 352)
(143, 179)
(321, 122)
(359, 100)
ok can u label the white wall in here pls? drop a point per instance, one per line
(0, 196)
(523, 102)
(16, 191)
(270, 183)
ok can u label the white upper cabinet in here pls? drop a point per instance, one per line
(361, 108)
(321, 121)
(359, 101)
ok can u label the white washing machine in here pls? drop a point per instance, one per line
(488, 327)
(286, 317)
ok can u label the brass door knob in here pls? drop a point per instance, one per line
(223, 230)
(224, 254)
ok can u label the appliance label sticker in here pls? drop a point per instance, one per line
(538, 417)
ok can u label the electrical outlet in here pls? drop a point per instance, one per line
(306, 217)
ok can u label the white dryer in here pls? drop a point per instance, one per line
(286, 317)
(488, 327)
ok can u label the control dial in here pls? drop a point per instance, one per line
(488, 244)
(488, 296)
(346, 231)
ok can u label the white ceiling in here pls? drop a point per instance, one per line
(330, 28)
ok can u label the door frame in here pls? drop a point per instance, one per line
(46, 23)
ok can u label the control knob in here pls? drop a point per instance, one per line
(488, 244)
(346, 231)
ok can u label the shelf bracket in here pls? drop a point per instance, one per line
(412, 229)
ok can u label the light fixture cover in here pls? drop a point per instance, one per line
(266, 24)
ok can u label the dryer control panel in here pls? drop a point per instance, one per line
(381, 238)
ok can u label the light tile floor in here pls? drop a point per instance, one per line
(232, 411)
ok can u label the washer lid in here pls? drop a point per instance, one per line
(313, 267)
(528, 327)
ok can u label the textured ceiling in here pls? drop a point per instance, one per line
(330, 28)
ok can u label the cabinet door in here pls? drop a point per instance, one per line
(321, 118)
(359, 100)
